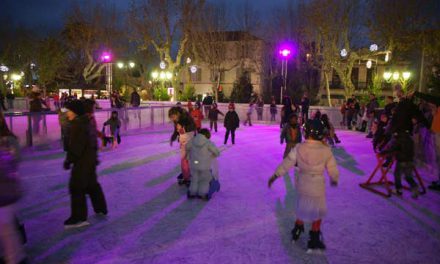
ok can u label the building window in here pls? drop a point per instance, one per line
(197, 76)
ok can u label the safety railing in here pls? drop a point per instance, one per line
(43, 128)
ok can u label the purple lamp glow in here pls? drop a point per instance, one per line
(106, 57)
(285, 52)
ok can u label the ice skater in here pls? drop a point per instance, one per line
(213, 116)
(312, 157)
(115, 124)
(184, 129)
(82, 152)
(330, 133)
(197, 116)
(291, 133)
(231, 123)
(201, 152)
(249, 114)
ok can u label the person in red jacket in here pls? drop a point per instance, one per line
(197, 116)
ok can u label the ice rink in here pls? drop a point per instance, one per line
(151, 221)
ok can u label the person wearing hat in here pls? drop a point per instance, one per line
(313, 157)
(231, 123)
(82, 152)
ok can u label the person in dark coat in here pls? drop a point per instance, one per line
(2, 102)
(213, 116)
(83, 154)
(305, 105)
(231, 123)
(402, 148)
(135, 100)
(207, 103)
(10, 194)
(286, 111)
(371, 108)
(390, 105)
(36, 107)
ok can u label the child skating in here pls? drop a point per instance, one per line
(197, 116)
(313, 158)
(291, 133)
(213, 117)
(201, 152)
(231, 123)
(115, 125)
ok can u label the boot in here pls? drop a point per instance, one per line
(315, 241)
(296, 231)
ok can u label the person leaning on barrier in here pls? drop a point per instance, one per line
(435, 129)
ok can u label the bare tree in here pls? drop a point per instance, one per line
(87, 31)
(166, 26)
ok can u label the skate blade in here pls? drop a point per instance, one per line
(315, 251)
(79, 225)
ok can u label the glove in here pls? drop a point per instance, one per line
(333, 183)
(271, 180)
(66, 165)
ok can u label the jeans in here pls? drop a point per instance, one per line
(213, 123)
(405, 168)
(232, 131)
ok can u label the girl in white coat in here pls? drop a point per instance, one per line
(313, 158)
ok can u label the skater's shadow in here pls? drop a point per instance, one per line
(49, 156)
(285, 214)
(136, 163)
(163, 178)
(167, 231)
(347, 161)
(138, 216)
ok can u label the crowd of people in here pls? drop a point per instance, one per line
(308, 147)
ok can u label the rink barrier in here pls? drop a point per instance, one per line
(43, 128)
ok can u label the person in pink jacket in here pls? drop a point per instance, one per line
(313, 158)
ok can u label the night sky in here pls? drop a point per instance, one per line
(46, 15)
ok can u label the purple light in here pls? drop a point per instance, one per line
(285, 52)
(106, 57)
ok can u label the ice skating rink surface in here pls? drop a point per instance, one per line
(151, 221)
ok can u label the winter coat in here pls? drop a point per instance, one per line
(380, 136)
(371, 106)
(36, 105)
(305, 104)
(435, 125)
(201, 152)
(114, 124)
(213, 114)
(406, 110)
(231, 121)
(389, 109)
(197, 116)
(402, 147)
(81, 153)
(313, 158)
(135, 99)
(187, 122)
(208, 100)
(10, 187)
(290, 134)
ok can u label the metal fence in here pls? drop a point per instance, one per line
(34, 129)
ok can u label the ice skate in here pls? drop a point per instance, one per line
(315, 245)
(72, 223)
(296, 232)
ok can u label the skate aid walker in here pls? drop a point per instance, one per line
(383, 180)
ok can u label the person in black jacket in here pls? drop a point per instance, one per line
(305, 105)
(390, 105)
(83, 154)
(231, 123)
(213, 116)
(2, 102)
(402, 147)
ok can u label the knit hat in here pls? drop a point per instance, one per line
(231, 105)
(77, 107)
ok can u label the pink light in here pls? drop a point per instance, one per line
(106, 57)
(285, 52)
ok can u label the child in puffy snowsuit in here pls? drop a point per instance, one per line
(201, 152)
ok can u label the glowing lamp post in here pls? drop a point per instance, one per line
(106, 58)
(400, 77)
(285, 53)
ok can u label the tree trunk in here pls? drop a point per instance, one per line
(327, 87)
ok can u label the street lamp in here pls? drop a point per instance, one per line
(396, 76)
(155, 74)
(4, 68)
(106, 57)
(344, 53)
(387, 76)
(285, 52)
(16, 77)
(406, 75)
(399, 77)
